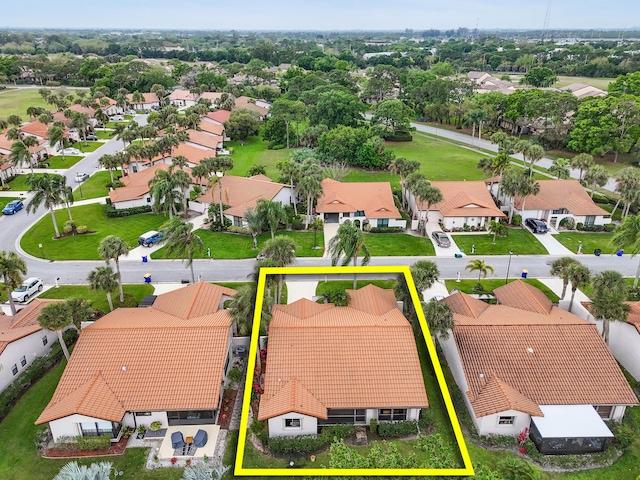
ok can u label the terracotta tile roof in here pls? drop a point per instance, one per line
(219, 116)
(35, 128)
(195, 154)
(241, 193)
(59, 117)
(211, 95)
(633, 318)
(293, 397)
(193, 301)
(465, 199)
(148, 98)
(496, 396)
(372, 299)
(141, 359)
(243, 102)
(519, 294)
(558, 194)
(23, 323)
(80, 109)
(374, 198)
(205, 139)
(466, 305)
(211, 127)
(136, 185)
(333, 353)
(182, 95)
(303, 308)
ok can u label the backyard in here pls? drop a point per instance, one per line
(16, 101)
(520, 240)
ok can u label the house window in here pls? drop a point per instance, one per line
(45, 340)
(392, 414)
(237, 221)
(589, 220)
(604, 411)
(292, 423)
(359, 213)
(23, 361)
(143, 414)
(560, 211)
(14, 369)
(506, 420)
(97, 429)
(148, 199)
(383, 222)
(346, 214)
(337, 416)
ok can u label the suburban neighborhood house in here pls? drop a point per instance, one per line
(260, 106)
(182, 98)
(37, 151)
(624, 338)
(149, 100)
(557, 200)
(136, 190)
(134, 366)
(194, 156)
(463, 203)
(22, 340)
(527, 363)
(242, 193)
(330, 365)
(363, 203)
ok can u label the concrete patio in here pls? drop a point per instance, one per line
(166, 450)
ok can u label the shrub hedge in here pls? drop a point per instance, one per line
(386, 230)
(609, 227)
(93, 443)
(306, 444)
(112, 212)
(397, 429)
(240, 230)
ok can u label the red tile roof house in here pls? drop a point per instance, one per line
(624, 338)
(37, 151)
(242, 193)
(22, 340)
(150, 101)
(557, 200)
(193, 154)
(527, 363)
(463, 203)
(330, 365)
(134, 366)
(182, 98)
(360, 202)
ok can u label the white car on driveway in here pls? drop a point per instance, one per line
(71, 151)
(28, 289)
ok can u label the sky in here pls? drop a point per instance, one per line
(320, 15)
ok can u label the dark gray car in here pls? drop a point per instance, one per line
(441, 239)
(536, 226)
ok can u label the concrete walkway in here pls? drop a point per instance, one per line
(330, 231)
(442, 251)
(436, 290)
(298, 290)
(553, 246)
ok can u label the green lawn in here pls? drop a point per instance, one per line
(398, 245)
(234, 246)
(19, 183)
(590, 241)
(94, 187)
(20, 460)
(88, 146)
(105, 134)
(254, 152)
(113, 124)
(85, 247)
(16, 101)
(348, 285)
(58, 162)
(491, 284)
(98, 298)
(520, 240)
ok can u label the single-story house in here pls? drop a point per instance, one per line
(360, 202)
(212, 96)
(242, 193)
(193, 154)
(37, 151)
(136, 190)
(260, 106)
(219, 116)
(580, 90)
(204, 139)
(527, 363)
(463, 203)
(22, 340)
(182, 98)
(111, 108)
(149, 101)
(624, 338)
(557, 200)
(329, 365)
(134, 366)
(212, 126)
(485, 82)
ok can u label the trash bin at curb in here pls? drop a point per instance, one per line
(525, 272)
(147, 278)
(144, 259)
(619, 253)
(597, 252)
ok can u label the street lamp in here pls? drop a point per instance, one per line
(506, 280)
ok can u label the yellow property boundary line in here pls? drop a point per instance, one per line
(317, 472)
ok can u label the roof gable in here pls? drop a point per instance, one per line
(192, 301)
(496, 396)
(292, 397)
(519, 294)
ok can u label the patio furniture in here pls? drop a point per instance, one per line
(188, 439)
(200, 440)
(177, 441)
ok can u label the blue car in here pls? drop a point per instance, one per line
(12, 207)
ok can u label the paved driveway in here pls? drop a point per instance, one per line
(441, 251)
(553, 246)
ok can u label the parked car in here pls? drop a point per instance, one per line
(91, 137)
(150, 238)
(71, 151)
(29, 288)
(536, 226)
(441, 239)
(81, 177)
(116, 118)
(12, 207)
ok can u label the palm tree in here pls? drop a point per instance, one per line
(311, 187)
(347, 245)
(272, 214)
(163, 190)
(424, 273)
(536, 152)
(242, 307)
(105, 279)
(316, 225)
(486, 165)
(47, 191)
(56, 135)
(182, 180)
(110, 248)
(560, 168)
(430, 195)
(12, 269)
(628, 186)
(610, 292)
(479, 266)
(581, 161)
(439, 318)
(579, 276)
(80, 311)
(182, 241)
(220, 165)
(110, 162)
(56, 317)
(627, 236)
(81, 122)
(14, 120)
(596, 176)
(254, 222)
(95, 471)
(496, 228)
(477, 116)
(560, 268)
(282, 251)
(20, 154)
(290, 172)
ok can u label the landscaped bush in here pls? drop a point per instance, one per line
(240, 230)
(624, 434)
(129, 301)
(609, 227)
(399, 137)
(155, 426)
(82, 229)
(398, 429)
(306, 444)
(259, 429)
(426, 419)
(296, 223)
(373, 425)
(112, 212)
(516, 220)
(338, 431)
(386, 230)
(93, 443)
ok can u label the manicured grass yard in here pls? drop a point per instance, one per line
(254, 152)
(16, 101)
(105, 134)
(397, 244)
(491, 284)
(590, 241)
(94, 187)
(234, 246)
(85, 247)
(88, 146)
(19, 183)
(520, 240)
(67, 162)
(348, 285)
(98, 298)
